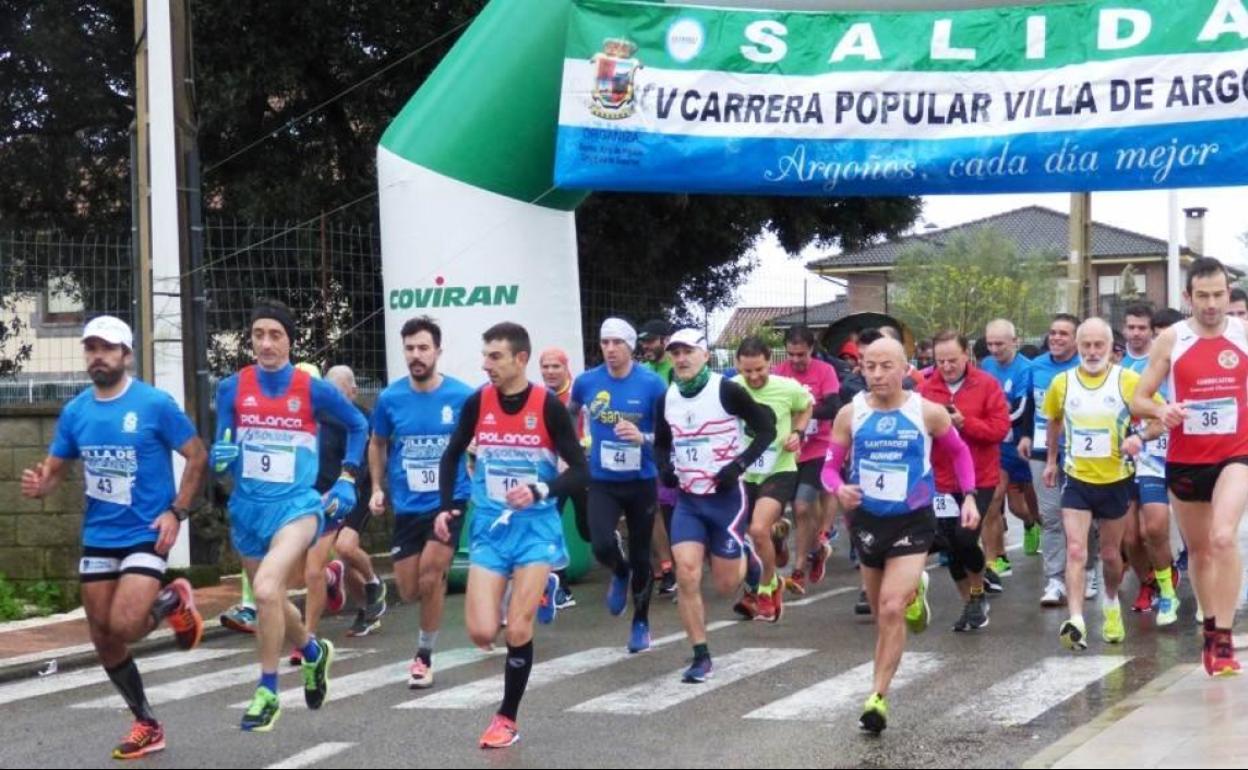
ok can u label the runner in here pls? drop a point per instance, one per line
(698, 444)
(1239, 304)
(124, 431)
(1205, 361)
(1147, 537)
(275, 512)
(521, 431)
(1061, 356)
(1012, 371)
(327, 581)
(622, 401)
(976, 405)
(652, 339)
(889, 493)
(772, 480)
(557, 377)
(814, 509)
(1089, 423)
(415, 416)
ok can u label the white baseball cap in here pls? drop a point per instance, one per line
(111, 329)
(693, 338)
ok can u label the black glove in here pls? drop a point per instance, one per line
(728, 475)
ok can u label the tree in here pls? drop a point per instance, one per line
(278, 145)
(972, 279)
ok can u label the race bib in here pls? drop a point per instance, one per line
(620, 456)
(271, 463)
(766, 462)
(421, 478)
(884, 481)
(1040, 441)
(812, 428)
(109, 489)
(1091, 444)
(694, 454)
(500, 481)
(946, 507)
(1217, 417)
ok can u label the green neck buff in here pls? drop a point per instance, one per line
(693, 386)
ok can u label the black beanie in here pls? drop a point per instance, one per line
(275, 312)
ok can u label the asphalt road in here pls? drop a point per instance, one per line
(783, 695)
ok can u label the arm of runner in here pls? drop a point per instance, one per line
(663, 447)
(563, 432)
(448, 468)
(1143, 404)
(849, 495)
(994, 424)
(327, 398)
(793, 442)
(224, 450)
(759, 419)
(42, 479)
(378, 456)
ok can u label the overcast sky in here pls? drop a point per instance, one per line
(780, 280)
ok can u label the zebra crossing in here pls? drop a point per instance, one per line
(1012, 701)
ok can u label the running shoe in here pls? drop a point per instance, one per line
(974, 615)
(1145, 598)
(1031, 539)
(698, 672)
(874, 714)
(617, 593)
(547, 609)
(177, 603)
(1224, 662)
(564, 600)
(863, 605)
(992, 581)
(419, 675)
(1112, 629)
(335, 596)
(144, 738)
(263, 712)
(362, 626)
(1181, 562)
(376, 606)
(240, 618)
(1092, 585)
(777, 597)
(796, 582)
(1167, 610)
(919, 613)
(501, 733)
(780, 539)
(1054, 594)
(747, 607)
(819, 561)
(639, 637)
(1073, 635)
(667, 583)
(1001, 565)
(766, 609)
(316, 675)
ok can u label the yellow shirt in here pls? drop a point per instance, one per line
(1095, 415)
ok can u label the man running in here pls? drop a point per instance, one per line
(327, 581)
(124, 431)
(1061, 356)
(652, 339)
(814, 509)
(521, 431)
(1147, 537)
(1012, 371)
(977, 408)
(267, 427)
(557, 377)
(892, 434)
(1087, 409)
(772, 480)
(622, 401)
(1205, 360)
(412, 423)
(699, 446)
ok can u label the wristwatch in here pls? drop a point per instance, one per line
(182, 514)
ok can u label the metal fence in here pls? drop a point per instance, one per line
(328, 271)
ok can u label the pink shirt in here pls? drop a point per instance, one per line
(820, 380)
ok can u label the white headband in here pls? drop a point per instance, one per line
(619, 329)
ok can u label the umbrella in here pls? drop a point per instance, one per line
(843, 329)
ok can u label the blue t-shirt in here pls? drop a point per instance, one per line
(419, 426)
(1043, 370)
(284, 483)
(1015, 382)
(125, 444)
(608, 400)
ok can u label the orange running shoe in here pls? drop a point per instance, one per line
(144, 738)
(500, 734)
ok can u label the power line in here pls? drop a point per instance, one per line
(338, 96)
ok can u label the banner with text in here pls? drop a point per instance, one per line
(1132, 94)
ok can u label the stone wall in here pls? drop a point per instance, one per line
(39, 539)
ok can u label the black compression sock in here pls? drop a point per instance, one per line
(129, 683)
(515, 678)
(642, 594)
